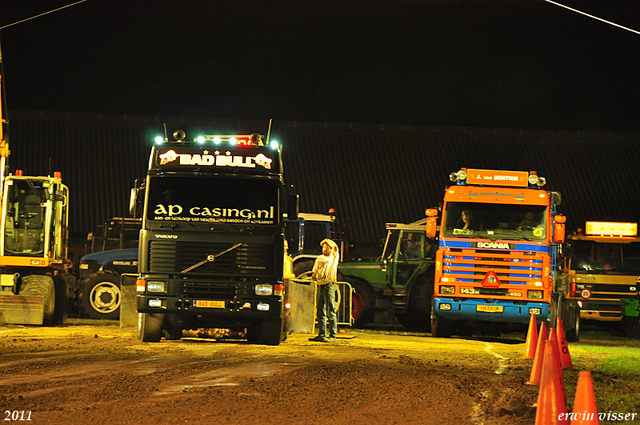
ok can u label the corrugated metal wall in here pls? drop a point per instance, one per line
(370, 174)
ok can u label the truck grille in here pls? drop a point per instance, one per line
(209, 290)
(246, 260)
(515, 268)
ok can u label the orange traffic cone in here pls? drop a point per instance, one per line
(532, 339)
(552, 408)
(565, 356)
(536, 370)
(585, 411)
(553, 341)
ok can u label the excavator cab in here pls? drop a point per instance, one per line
(34, 218)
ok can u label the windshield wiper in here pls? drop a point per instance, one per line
(210, 258)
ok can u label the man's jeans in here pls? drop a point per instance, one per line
(327, 307)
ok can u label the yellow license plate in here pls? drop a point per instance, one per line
(208, 304)
(490, 308)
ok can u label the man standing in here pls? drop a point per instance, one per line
(325, 273)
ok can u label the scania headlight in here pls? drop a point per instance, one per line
(535, 294)
(156, 286)
(447, 290)
(264, 289)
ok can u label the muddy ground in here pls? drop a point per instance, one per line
(88, 374)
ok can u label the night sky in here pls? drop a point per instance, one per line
(524, 64)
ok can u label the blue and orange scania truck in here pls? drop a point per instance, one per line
(499, 236)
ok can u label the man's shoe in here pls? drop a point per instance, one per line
(318, 339)
(330, 339)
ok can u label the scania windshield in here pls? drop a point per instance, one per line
(213, 200)
(495, 221)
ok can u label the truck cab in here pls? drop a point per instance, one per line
(601, 265)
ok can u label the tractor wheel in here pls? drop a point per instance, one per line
(418, 315)
(150, 327)
(45, 287)
(302, 269)
(362, 303)
(100, 296)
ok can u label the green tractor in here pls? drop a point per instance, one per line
(400, 282)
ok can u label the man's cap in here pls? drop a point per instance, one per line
(329, 242)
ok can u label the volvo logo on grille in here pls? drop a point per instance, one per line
(166, 236)
(493, 245)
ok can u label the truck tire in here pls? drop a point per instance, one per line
(440, 328)
(363, 303)
(150, 327)
(100, 296)
(631, 326)
(418, 315)
(45, 287)
(571, 321)
(266, 332)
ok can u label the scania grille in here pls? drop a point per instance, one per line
(247, 259)
(515, 268)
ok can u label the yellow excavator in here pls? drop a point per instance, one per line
(34, 288)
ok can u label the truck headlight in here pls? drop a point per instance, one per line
(537, 295)
(445, 306)
(263, 289)
(448, 290)
(156, 286)
(262, 307)
(535, 311)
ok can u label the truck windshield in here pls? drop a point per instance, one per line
(213, 200)
(495, 221)
(24, 219)
(606, 258)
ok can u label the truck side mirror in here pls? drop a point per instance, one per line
(293, 206)
(432, 219)
(133, 201)
(136, 199)
(559, 229)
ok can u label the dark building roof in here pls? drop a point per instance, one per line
(370, 174)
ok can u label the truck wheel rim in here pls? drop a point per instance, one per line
(105, 297)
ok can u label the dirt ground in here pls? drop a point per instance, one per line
(81, 374)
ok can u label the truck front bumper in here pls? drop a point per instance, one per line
(496, 311)
(250, 308)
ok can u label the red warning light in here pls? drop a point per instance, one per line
(245, 142)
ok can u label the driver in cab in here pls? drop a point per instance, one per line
(466, 221)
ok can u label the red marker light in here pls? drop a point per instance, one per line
(244, 142)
